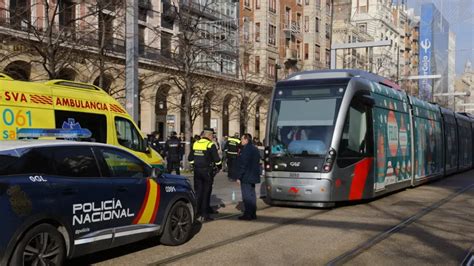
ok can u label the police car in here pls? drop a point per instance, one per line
(61, 199)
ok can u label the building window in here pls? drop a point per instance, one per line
(317, 25)
(246, 30)
(271, 35)
(257, 31)
(166, 44)
(67, 15)
(299, 21)
(317, 53)
(246, 63)
(298, 2)
(257, 64)
(142, 14)
(306, 23)
(306, 51)
(247, 3)
(328, 8)
(298, 49)
(20, 13)
(306, 2)
(287, 17)
(328, 58)
(141, 39)
(106, 24)
(318, 4)
(271, 68)
(362, 27)
(272, 6)
(257, 4)
(328, 31)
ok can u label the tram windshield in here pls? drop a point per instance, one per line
(303, 118)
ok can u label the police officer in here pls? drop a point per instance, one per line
(205, 159)
(155, 142)
(232, 150)
(173, 151)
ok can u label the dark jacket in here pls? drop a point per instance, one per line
(204, 154)
(173, 150)
(249, 164)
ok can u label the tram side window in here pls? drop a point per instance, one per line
(354, 142)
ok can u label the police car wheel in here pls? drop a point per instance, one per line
(42, 245)
(178, 225)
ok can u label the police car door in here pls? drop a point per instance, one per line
(138, 194)
(87, 200)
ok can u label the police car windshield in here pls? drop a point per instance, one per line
(303, 118)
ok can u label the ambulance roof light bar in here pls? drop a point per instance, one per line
(34, 133)
(73, 84)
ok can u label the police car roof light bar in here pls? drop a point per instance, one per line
(81, 133)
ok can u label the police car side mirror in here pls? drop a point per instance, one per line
(155, 172)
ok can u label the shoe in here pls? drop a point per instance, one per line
(254, 217)
(212, 211)
(245, 218)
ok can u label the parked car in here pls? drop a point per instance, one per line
(61, 199)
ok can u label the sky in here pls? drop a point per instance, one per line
(460, 15)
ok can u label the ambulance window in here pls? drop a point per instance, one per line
(122, 164)
(75, 161)
(127, 134)
(96, 123)
(26, 161)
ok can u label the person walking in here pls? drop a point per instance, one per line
(173, 151)
(205, 159)
(248, 175)
(232, 150)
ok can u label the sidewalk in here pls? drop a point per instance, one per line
(225, 192)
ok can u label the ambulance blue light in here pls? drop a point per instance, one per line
(81, 133)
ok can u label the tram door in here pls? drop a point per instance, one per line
(356, 152)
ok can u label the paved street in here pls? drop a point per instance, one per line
(431, 224)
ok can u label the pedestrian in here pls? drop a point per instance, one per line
(155, 142)
(173, 151)
(205, 159)
(224, 158)
(248, 175)
(232, 150)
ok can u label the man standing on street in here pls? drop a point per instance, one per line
(173, 153)
(205, 159)
(232, 150)
(155, 142)
(248, 175)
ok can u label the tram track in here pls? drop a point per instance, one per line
(222, 243)
(363, 247)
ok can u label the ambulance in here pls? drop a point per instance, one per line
(70, 105)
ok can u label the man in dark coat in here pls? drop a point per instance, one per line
(249, 175)
(174, 153)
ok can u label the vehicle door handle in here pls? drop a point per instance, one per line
(69, 191)
(122, 189)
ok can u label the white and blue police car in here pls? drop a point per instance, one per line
(61, 199)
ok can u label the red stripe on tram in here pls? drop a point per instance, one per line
(361, 172)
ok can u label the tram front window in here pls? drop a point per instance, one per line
(303, 126)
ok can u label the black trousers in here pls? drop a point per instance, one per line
(203, 187)
(230, 167)
(173, 165)
(249, 198)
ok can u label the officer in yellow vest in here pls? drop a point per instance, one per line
(205, 159)
(232, 150)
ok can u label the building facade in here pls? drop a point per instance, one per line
(88, 44)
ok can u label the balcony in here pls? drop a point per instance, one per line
(207, 11)
(291, 29)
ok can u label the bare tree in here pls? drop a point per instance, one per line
(53, 39)
(191, 56)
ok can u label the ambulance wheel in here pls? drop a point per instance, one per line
(178, 226)
(42, 245)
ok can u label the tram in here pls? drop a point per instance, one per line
(348, 135)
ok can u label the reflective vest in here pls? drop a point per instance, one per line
(232, 148)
